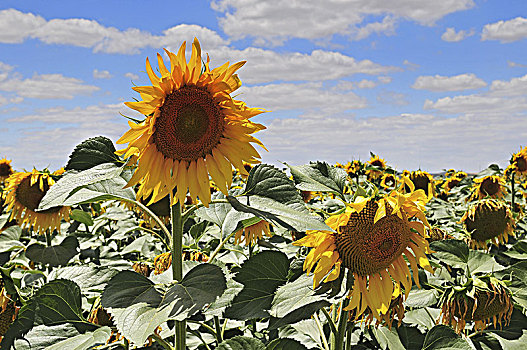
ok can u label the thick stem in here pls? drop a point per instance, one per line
(219, 332)
(512, 193)
(321, 330)
(177, 268)
(343, 322)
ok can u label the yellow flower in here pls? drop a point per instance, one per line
(252, 233)
(519, 162)
(388, 180)
(5, 169)
(492, 186)
(376, 162)
(370, 239)
(489, 220)
(193, 128)
(422, 180)
(25, 190)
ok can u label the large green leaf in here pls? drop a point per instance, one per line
(84, 341)
(319, 176)
(57, 302)
(73, 182)
(40, 337)
(89, 278)
(410, 337)
(242, 343)
(10, 239)
(444, 338)
(82, 217)
(92, 152)
(388, 338)
(421, 298)
(54, 255)
(139, 306)
(285, 344)
(479, 262)
(261, 275)
(278, 213)
(453, 252)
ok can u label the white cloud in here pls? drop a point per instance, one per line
(101, 74)
(267, 66)
(514, 87)
(47, 86)
(439, 83)
(506, 31)
(73, 31)
(275, 21)
(174, 36)
(131, 76)
(16, 26)
(387, 27)
(451, 35)
(308, 96)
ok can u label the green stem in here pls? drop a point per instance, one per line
(48, 238)
(177, 268)
(330, 321)
(154, 216)
(430, 315)
(343, 322)
(219, 333)
(321, 330)
(348, 339)
(161, 341)
(512, 193)
(161, 238)
(220, 246)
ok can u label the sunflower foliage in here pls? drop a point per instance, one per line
(314, 256)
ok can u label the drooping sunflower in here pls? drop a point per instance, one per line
(193, 128)
(5, 169)
(484, 301)
(370, 239)
(163, 261)
(388, 180)
(252, 233)
(25, 190)
(489, 220)
(492, 186)
(380, 166)
(518, 162)
(422, 180)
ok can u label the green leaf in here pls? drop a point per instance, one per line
(278, 213)
(84, 341)
(285, 344)
(479, 262)
(10, 239)
(57, 302)
(444, 338)
(451, 251)
(54, 255)
(421, 298)
(92, 152)
(267, 181)
(82, 217)
(72, 182)
(261, 275)
(387, 338)
(302, 313)
(40, 337)
(410, 337)
(319, 176)
(88, 278)
(242, 343)
(139, 306)
(515, 328)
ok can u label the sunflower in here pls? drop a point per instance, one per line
(193, 128)
(252, 233)
(518, 162)
(370, 239)
(492, 186)
(388, 180)
(453, 181)
(161, 208)
(379, 164)
(422, 180)
(163, 261)
(5, 169)
(25, 190)
(483, 300)
(488, 220)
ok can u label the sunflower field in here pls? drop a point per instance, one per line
(183, 239)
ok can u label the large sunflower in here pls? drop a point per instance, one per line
(193, 128)
(370, 240)
(518, 162)
(380, 166)
(492, 186)
(5, 169)
(422, 180)
(489, 220)
(25, 190)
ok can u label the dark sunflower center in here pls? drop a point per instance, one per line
(190, 124)
(421, 182)
(377, 163)
(5, 169)
(489, 304)
(366, 248)
(30, 195)
(490, 187)
(488, 222)
(521, 164)
(452, 183)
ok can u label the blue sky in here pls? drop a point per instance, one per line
(423, 83)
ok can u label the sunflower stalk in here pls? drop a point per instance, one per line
(177, 268)
(338, 343)
(155, 217)
(513, 194)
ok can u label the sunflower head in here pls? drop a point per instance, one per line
(369, 239)
(5, 169)
(388, 180)
(379, 166)
(422, 180)
(252, 233)
(25, 190)
(492, 186)
(518, 162)
(193, 129)
(484, 301)
(488, 220)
